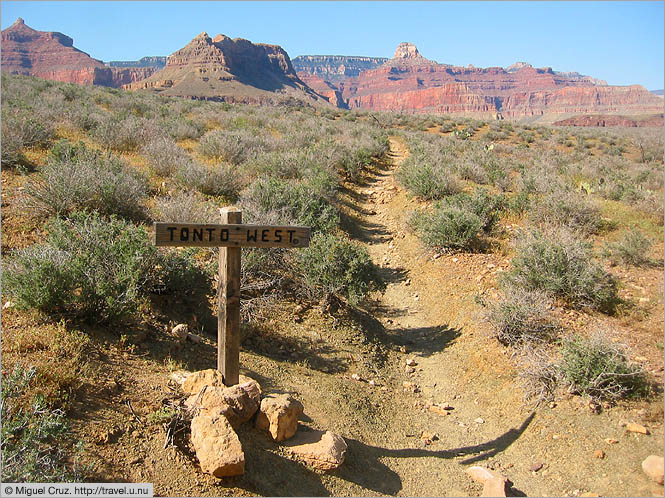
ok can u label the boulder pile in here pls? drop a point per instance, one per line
(218, 410)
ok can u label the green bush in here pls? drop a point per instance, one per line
(333, 264)
(221, 180)
(597, 368)
(632, 249)
(99, 270)
(487, 207)
(559, 262)
(522, 316)
(280, 201)
(567, 208)
(427, 180)
(77, 178)
(32, 438)
(448, 227)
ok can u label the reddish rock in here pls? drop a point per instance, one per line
(601, 120)
(653, 467)
(229, 70)
(237, 403)
(52, 56)
(321, 450)
(217, 446)
(411, 83)
(279, 415)
(494, 484)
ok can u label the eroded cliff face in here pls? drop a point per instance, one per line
(231, 70)
(410, 82)
(334, 67)
(52, 56)
(603, 120)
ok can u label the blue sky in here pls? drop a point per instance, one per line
(621, 42)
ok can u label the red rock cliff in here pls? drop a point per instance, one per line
(52, 56)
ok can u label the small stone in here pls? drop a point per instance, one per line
(609, 440)
(8, 305)
(552, 404)
(438, 410)
(196, 380)
(494, 484)
(455, 260)
(407, 282)
(217, 446)
(479, 421)
(237, 403)
(356, 377)
(279, 415)
(180, 332)
(319, 449)
(410, 370)
(372, 382)
(640, 429)
(411, 362)
(536, 467)
(599, 454)
(653, 467)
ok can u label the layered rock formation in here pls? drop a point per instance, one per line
(52, 56)
(334, 67)
(602, 120)
(411, 83)
(157, 62)
(231, 71)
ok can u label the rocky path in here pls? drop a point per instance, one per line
(459, 403)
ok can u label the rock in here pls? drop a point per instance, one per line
(51, 55)
(479, 421)
(217, 446)
(180, 331)
(356, 377)
(279, 415)
(179, 376)
(599, 454)
(8, 305)
(439, 410)
(429, 436)
(321, 450)
(237, 403)
(410, 370)
(196, 380)
(494, 484)
(536, 467)
(411, 362)
(640, 429)
(109, 435)
(653, 467)
(609, 440)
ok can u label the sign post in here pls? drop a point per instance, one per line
(230, 236)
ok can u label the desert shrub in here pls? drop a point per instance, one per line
(563, 207)
(182, 129)
(234, 147)
(97, 269)
(123, 134)
(185, 207)
(484, 205)
(598, 368)
(427, 180)
(21, 130)
(447, 227)
(632, 249)
(76, 178)
(32, 437)
(538, 372)
(522, 316)
(164, 156)
(333, 264)
(280, 201)
(221, 180)
(559, 262)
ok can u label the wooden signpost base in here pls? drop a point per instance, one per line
(230, 236)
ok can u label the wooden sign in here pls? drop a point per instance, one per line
(230, 236)
(204, 235)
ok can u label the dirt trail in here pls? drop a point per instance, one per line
(429, 307)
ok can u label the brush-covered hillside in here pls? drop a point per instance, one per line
(475, 294)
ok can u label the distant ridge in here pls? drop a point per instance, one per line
(229, 70)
